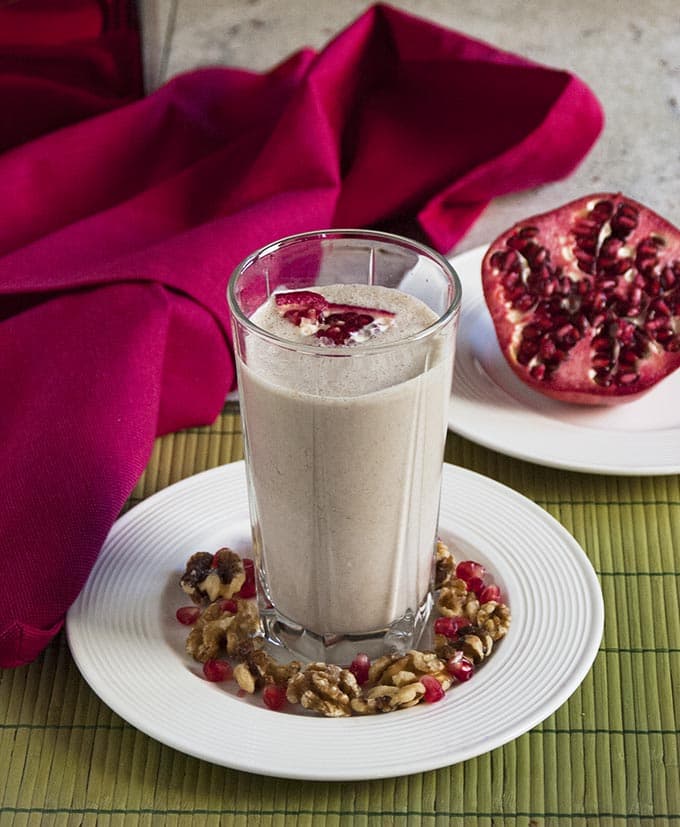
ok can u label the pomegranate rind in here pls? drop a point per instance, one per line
(643, 258)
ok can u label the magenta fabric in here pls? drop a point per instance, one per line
(118, 234)
(64, 60)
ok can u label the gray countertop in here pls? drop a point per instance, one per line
(627, 52)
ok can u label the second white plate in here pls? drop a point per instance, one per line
(491, 406)
(130, 648)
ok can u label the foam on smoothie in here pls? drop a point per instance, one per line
(376, 370)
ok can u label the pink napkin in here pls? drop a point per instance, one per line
(118, 234)
(64, 61)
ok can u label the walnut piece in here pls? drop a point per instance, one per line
(455, 600)
(445, 566)
(395, 681)
(245, 677)
(245, 626)
(324, 688)
(209, 633)
(477, 645)
(262, 668)
(474, 642)
(217, 628)
(390, 698)
(208, 577)
(494, 618)
(394, 670)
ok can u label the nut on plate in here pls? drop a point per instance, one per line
(245, 625)
(445, 566)
(396, 681)
(324, 688)
(455, 600)
(474, 642)
(257, 668)
(477, 645)
(494, 618)
(390, 698)
(208, 577)
(217, 628)
(395, 669)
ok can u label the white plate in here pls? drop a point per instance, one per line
(129, 647)
(492, 406)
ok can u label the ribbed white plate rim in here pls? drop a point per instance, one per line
(129, 648)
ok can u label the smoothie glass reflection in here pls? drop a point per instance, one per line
(344, 441)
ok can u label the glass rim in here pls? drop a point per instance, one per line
(349, 349)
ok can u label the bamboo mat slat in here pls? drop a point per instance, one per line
(610, 755)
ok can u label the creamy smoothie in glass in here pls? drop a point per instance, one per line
(344, 344)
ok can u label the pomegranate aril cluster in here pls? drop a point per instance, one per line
(333, 323)
(472, 619)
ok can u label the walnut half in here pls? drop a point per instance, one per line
(218, 628)
(210, 576)
(257, 668)
(396, 681)
(390, 698)
(455, 600)
(474, 642)
(445, 566)
(324, 688)
(494, 618)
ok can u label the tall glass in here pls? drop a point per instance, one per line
(344, 446)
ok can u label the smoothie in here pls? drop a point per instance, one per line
(344, 446)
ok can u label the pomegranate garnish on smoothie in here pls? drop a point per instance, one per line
(334, 323)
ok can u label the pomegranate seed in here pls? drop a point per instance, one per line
(528, 232)
(187, 615)
(359, 668)
(449, 626)
(667, 278)
(274, 696)
(217, 670)
(460, 668)
(248, 588)
(538, 372)
(476, 585)
(467, 569)
(433, 689)
(490, 592)
(602, 344)
(628, 377)
(230, 606)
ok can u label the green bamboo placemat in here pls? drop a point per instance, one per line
(610, 755)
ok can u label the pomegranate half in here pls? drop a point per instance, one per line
(585, 299)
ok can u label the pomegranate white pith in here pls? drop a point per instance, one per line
(585, 299)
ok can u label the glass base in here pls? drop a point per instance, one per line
(403, 634)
